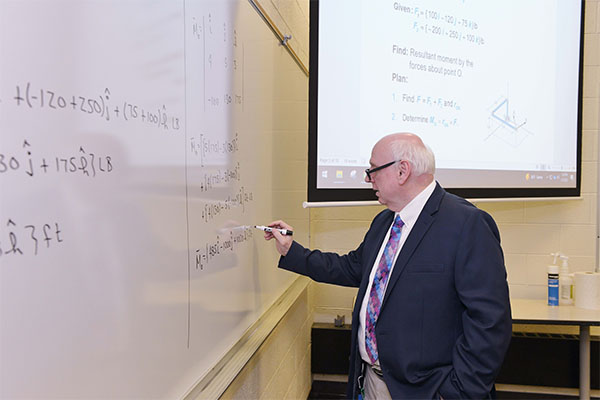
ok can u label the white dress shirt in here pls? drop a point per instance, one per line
(409, 215)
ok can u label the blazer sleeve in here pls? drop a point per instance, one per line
(343, 270)
(480, 281)
(325, 267)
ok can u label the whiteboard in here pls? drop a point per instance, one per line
(138, 141)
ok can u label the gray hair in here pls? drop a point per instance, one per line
(421, 157)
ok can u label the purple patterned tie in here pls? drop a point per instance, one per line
(378, 288)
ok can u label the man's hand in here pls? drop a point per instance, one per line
(282, 242)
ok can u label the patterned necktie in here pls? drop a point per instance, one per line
(378, 288)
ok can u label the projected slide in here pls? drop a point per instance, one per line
(491, 86)
(505, 124)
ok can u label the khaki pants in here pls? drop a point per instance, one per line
(375, 387)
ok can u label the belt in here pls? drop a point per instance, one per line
(377, 370)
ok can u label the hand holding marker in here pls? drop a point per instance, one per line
(280, 231)
(269, 229)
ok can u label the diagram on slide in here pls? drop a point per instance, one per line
(504, 123)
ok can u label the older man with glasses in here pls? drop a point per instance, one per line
(432, 318)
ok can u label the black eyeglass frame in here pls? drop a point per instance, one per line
(369, 171)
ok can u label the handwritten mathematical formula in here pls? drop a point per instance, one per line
(82, 162)
(219, 179)
(100, 105)
(29, 238)
(221, 245)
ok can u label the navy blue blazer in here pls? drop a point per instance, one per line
(445, 321)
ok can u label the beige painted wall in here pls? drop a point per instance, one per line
(291, 19)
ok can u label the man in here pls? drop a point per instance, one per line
(432, 317)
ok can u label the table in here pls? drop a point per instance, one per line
(530, 311)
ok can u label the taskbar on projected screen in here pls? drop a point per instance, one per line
(344, 177)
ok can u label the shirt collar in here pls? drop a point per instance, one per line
(411, 212)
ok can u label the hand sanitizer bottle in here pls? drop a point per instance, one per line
(553, 293)
(565, 282)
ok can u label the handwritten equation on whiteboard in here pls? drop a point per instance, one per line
(29, 238)
(29, 163)
(216, 146)
(132, 162)
(221, 174)
(100, 105)
(222, 245)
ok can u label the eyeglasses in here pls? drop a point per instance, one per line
(369, 171)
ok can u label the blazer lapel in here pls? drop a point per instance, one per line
(421, 227)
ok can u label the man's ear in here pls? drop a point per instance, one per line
(403, 171)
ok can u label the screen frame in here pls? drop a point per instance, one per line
(315, 194)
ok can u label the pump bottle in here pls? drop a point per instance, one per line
(553, 274)
(565, 284)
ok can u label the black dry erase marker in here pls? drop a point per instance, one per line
(268, 229)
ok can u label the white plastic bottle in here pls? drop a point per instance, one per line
(565, 284)
(553, 292)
